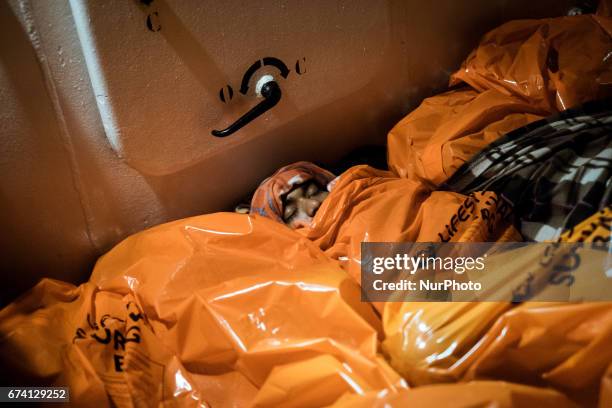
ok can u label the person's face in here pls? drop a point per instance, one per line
(302, 203)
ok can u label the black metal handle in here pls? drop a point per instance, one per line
(271, 93)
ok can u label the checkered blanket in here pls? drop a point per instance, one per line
(555, 172)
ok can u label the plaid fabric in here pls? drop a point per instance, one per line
(555, 172)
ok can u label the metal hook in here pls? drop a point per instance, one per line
(271, 93)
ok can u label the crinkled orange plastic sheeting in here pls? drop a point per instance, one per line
(370, 205)
(561, 345)
(220, 309)
(520, 72)
(605, 392)
(554, 64)
(496, 394)
(429, 342)
(446, 130)
(566, 346)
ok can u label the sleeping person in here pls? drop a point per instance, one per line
(292, 195)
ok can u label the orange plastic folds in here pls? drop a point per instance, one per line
(520, 72)
(496, 394)
(370, 205)
(221, 310)
(555, 64)
(446, 130)
(566, 346)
